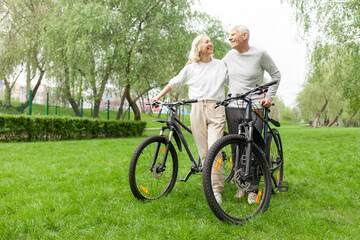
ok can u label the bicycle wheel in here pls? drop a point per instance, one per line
(228, 165)
(274, 153)
(148, 181)
(231, 209)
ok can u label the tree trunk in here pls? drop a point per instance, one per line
(7, 94)
(349, 122)
(316, 120)
(150, 107)
(28, 80)
(71, 100)
(137, 115)
(26, 104)
(335, 119)
(96, 108)
(142, 104)
(121, 110)
(100, 94)
(8, 88)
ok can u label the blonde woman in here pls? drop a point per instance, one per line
(205, 77)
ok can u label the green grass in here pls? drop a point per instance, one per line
(80, 190)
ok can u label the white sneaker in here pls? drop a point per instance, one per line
(218, 197)
(239, 194)
(252, 198)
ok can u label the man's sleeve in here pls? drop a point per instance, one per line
(269, 66)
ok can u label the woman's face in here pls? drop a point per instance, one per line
(206, 46)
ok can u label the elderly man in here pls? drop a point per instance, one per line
(246, 65)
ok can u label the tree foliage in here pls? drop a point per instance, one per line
(332, 32)
(20, 39)
(133, 45)
(88, 46)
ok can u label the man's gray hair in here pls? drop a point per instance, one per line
(242, 29)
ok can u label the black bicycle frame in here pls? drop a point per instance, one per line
(249, 128)
(174, 131)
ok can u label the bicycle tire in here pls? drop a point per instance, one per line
(275, 158)
(231, 209)
(228, 167)
(150, 184)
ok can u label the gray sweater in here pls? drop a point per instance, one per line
(246, 70)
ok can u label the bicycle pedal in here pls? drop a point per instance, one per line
(283, 186)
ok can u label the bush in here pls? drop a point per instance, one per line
(21, 128)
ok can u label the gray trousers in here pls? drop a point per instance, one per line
(234, 116)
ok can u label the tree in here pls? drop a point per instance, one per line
(319, 99)
(156, 44)
(332, 31)
(9, 64)
(153, 42)
(83, 44)
(22, 25)
(135, 45)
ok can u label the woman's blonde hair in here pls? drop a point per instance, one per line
(194, 54)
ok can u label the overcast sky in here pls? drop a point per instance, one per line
(273, 28)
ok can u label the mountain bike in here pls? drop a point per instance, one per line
(154, 165)
(244, 158)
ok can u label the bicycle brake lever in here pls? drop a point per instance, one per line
(155, 104)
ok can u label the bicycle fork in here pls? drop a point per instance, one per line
(243, 159)
(162, 167)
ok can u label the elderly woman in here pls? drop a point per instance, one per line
(205, 77)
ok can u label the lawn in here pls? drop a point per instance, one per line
(80, 190)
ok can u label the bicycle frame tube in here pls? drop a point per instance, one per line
(175, 131)
(266, 125)
(183, 140)
(183, 125)
(249, 137)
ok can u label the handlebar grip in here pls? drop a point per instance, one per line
(155, 104)
(190, 101)
(270, 83)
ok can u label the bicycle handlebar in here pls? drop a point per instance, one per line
(258, 90)
(173, 104)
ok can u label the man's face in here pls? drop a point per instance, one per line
(237, 39)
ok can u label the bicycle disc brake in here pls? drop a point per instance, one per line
(157, 172)
(240, 181)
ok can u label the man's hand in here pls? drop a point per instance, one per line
(266, 102)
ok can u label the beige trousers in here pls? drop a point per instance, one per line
(208, 125)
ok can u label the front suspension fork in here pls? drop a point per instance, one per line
(166, 152)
